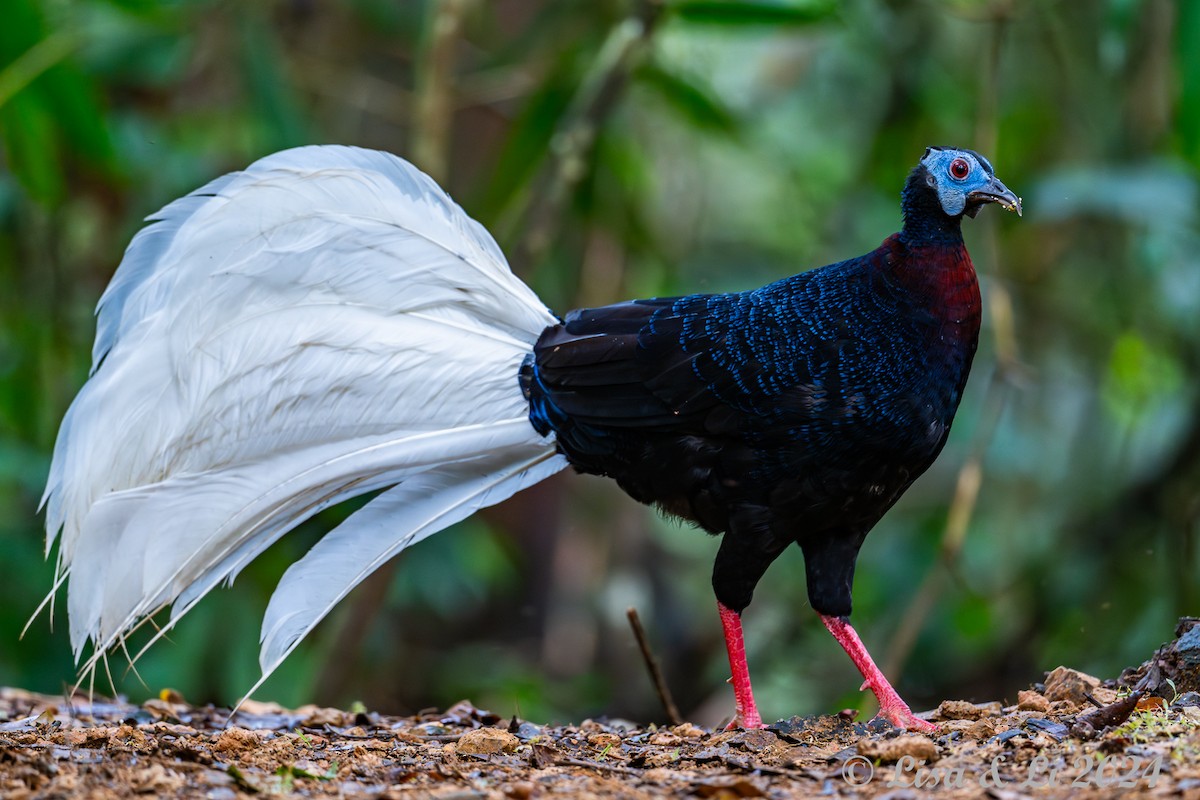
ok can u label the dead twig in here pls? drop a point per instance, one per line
(579, 762)
(656, 676)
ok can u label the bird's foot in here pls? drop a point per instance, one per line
(891, 707)
(899, 714)
(745, 719)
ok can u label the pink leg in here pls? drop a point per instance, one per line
(743, 696)
(891, 707)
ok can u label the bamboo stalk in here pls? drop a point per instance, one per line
(435, 89)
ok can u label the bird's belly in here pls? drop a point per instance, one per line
(852, 472)
(815, 471)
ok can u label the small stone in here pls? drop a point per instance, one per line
(312, 716)
(665, 738)
(603, 740)
(1188, 646)
(688, 731)
(519, 791)
(660, 775)
(233, 740)
(1051, 727)
(918, 747)
(724, 789)
(486, 742)
(156, 780)
(526, 731)
(981, 729)
(1064, 684)
(960, 709)
(1029, 700)
(659, 759)
(756, 740)
(545, 755)
(257, 708)
(160, 709)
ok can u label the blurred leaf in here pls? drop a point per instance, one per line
(269, 86)
(1138, 376)
(126, 50)
(141, 7)
(714, 12)
(30, 137)
(527, 146)
(1150, 194)
(24, 26)
(455, 571)
(696, 104)
(618, 190)
(1187, 34)
(80, 116)
(33, 62)
(22, 465)
(389, 18)
(46, 103)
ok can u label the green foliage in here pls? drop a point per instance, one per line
(48, 107)
(725, 14)
(697, 104)
(1187, 31)
(733, 143)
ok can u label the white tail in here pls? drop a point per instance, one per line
(324, 324)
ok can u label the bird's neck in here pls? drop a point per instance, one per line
(929, 257)
(939, 276)
(925, 223)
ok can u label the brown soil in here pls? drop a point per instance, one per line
(1068, 736)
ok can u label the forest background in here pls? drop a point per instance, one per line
(633, 148)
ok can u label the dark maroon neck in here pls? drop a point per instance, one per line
(938, 275)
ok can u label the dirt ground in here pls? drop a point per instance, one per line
(1068, 735)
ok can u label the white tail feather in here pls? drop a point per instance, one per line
(402, 516)
(324, 324)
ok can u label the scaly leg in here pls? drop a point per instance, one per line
(743, 696)
(891, 707)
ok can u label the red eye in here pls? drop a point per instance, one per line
(959, 169)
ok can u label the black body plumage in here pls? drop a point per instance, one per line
(796, 412)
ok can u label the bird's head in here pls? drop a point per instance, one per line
(964, 181)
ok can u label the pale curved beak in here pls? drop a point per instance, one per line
(995, 192)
